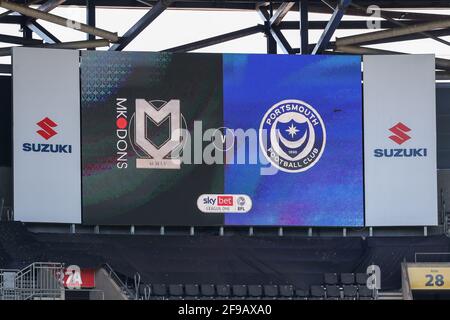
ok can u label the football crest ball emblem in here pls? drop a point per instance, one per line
(292, 136)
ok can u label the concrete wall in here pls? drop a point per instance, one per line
(104, 283)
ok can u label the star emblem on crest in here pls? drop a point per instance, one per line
(292, 130)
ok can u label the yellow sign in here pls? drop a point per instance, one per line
(429, 278)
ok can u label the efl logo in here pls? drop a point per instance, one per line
(399, 136)
(225, 201)
(46, 125)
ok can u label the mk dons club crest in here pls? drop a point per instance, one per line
(292, 136)
(157, 155)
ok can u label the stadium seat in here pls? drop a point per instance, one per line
(129, 283)
(159, 291)
(255, 291)
(207, 291)
(270, 291)
(147, 292)
(365, 293)
(347, 278)
(301, 293)
(239, 291)
(330, 279)
(286, 291)
(350, 292)
(333, 292)
(317, 292)
(361, 279)
(223, 291)
(192, 291)
(176, 291)
(142, 292)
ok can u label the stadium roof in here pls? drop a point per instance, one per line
(398, 23)
(250, 4)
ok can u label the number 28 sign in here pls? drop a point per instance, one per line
(429, 278)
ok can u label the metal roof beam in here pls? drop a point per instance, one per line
(351, 24)
(217, 39)
(35, 27)
(440, 63)
(19, 40)
(304, 26)
(281, 40)
(90, 16)
(409, 37)
(442, 75)
(331, 26)
(50, 5)
(64, 45)
(391, 14)
(280, 13)
(36, 14)
(143, 23)
(394, 32)
(401, 24)
(6, 68)
(12, 19)
(250, 4)
(43, 33)
(274, 31)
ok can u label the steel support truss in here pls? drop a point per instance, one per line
(395, 25)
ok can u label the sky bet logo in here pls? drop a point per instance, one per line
(399, 137)
(219, 201)
(224, 203)
(47, 132)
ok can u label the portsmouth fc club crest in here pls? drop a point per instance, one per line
(292, 136)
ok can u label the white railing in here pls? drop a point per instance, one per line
(123, 287)
(40, 280)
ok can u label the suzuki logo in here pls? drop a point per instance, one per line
(46, 125)
(399, 136)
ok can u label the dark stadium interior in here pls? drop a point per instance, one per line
(219, 260)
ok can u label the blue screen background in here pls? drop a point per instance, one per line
(331, 192)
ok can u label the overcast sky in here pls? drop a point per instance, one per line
(176, 27)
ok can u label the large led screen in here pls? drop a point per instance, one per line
(314, 103)
(210, 139)
(119, 186)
